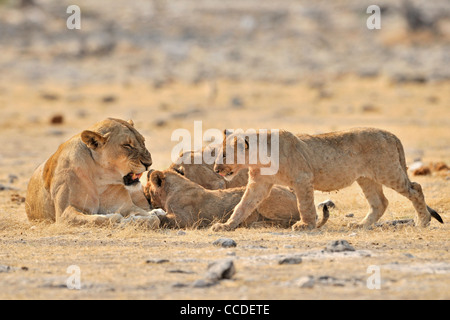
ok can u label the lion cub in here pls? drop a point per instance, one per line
(188, 204)
(192, 166)
(324, 162)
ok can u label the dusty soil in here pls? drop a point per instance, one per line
(303, 66)
(414, 263)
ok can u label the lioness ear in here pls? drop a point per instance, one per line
(92, 139)
(158, 178)
(131, 122)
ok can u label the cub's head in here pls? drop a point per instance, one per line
(233, 155)
(116, 145)
(162, 185)
(190, 164)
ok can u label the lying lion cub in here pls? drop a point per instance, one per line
(188, 204)
(325, 162)
(93, 177)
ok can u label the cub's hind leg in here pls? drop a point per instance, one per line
(373, 191)
(413, 191)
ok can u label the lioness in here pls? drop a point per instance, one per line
(93, 177)
(188, 204)
(325, 162)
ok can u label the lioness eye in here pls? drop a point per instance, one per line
(128, 146)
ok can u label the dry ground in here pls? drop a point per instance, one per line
(414, 263)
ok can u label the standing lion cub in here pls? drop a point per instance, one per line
(324, 162)
(93, 177)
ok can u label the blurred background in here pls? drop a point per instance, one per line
(305, 66)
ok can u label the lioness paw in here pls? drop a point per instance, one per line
(150, 222)
(107, 219)
(158, 212)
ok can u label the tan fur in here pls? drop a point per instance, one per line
(188, 204)
(327, 162)
(83, 181)
(191, 165)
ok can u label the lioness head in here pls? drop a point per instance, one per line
(232, 156)
(116, 145)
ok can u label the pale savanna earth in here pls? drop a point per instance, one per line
(402, 86)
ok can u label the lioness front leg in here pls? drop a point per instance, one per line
(253, 196)
(73, 216)
(142, 217)
(305, 200)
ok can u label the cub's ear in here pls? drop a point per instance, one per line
(179, 170)
(226, 133)
(92, 139)
(149, 174)
(131, 122)
(158, 178)
(247, 139)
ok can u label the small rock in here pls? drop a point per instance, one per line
(180, 271)
(290, 260)
(237, 102)
(5, 269)
(225, 243)
(156, 261)
(223, 269)
(17, 198)
(305, 282)
(339, 246)
(350, 215)
(393, 223)
(160, 122)
(12, 178)
(181, 233)
(3, 187)
(331, 281)
(57, 119)
(288, 246)
(109, 99)
(204, 283)
(50, 96)
(179, 285)
(55, 132)
(369, 108)
(409, 255)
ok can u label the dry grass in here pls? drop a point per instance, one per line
(113, 260)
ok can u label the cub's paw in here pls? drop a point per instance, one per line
(222, 227)
(301, 226)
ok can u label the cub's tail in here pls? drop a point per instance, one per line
(435, 215)
(326, 214)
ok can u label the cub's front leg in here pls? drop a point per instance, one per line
(255, 193)
(304, 192)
